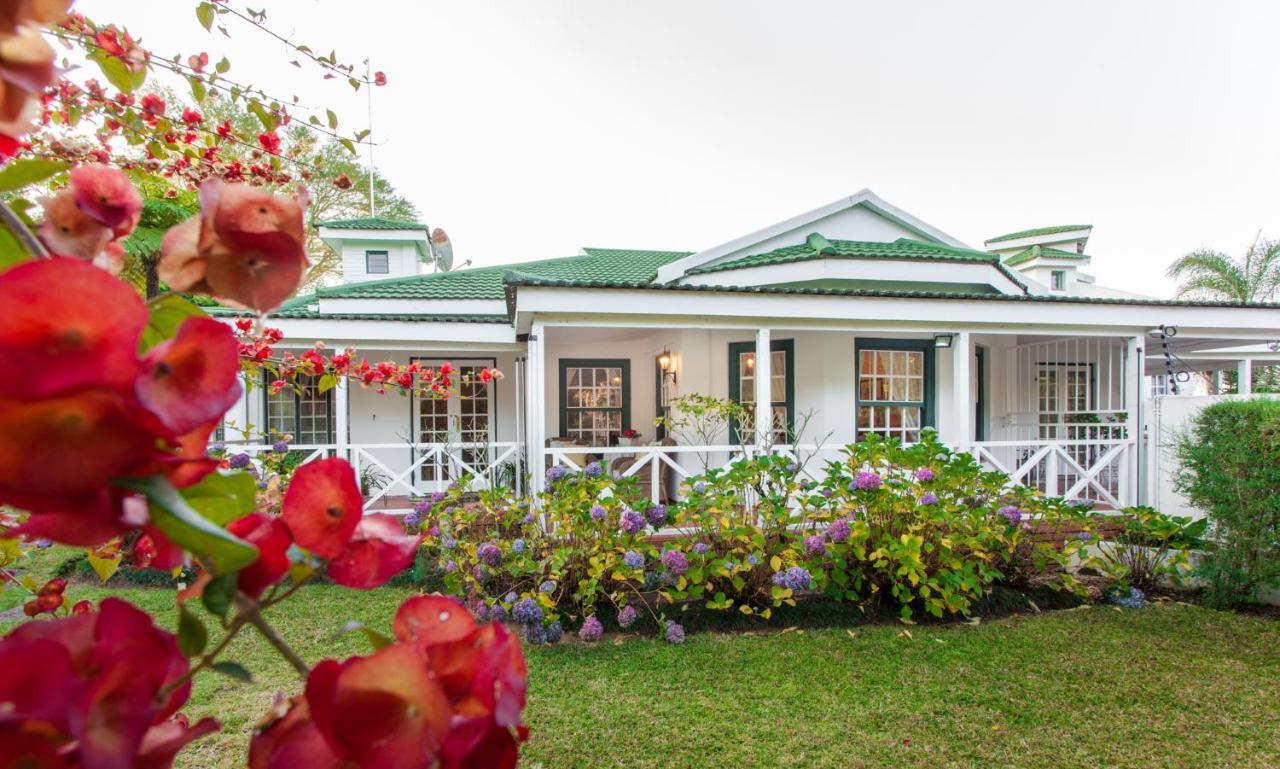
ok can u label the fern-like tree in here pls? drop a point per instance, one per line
(1209, 274)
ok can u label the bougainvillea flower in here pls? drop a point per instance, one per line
(383, 711)
(287, 738)
(9, 146)
(322, 506)
(247, 247)
(85, 521)
(193, 377)
(272, 539)
(90, 684)
(68, 231)
(378, 550)
(15, 13)
(26, 61)
(426, 620)
(66, 325)
(161, 743)
(106, 195)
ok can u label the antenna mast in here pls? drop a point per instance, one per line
(368, 87)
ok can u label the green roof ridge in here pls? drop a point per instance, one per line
(1035, 231)
(1036, 252)
(372, 223)
(817, 246)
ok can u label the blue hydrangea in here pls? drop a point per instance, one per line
(929, 498)
(627, 617)
(794, 578)
(547, 587)
(752, 560)
(556, 472)
(633, 560)
(593, 470)
(631, 521)
(701, 548)
(675, 632)
(535, 634)
(511, 597)
(498, 613)
(598, 512)
(481, 610)
(1132, 599)
(554, 632)
(413, 519)
(699, 487)
(517, 547)
(656, 515)
(527, 612)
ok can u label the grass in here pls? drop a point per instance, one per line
(1170, 686)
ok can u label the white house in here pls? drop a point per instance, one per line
(854, 318)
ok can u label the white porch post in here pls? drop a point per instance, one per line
(1135, 365)
(235, 423)
(535, 407)
(341, 418)
(1244, 377)
(962, 391)
(764, 388)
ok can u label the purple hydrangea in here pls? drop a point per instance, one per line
(517, 547)
(481, 610)
(701, 548)
(1011, 514)
(928, 498)
(239, 461)
(480, 574)
(814, 545)
(433, 530)
(598, 512)
(828, 493)
(627, 617)
(839, 531)
(631, 522)
(554, 632)
(280, 447)
(527, 612)
(450, 566)
(656, 515)
(675, 632)
(422, 507)
(413, 519)
(591, 630)
(867, 481)
(1084, 536)
(528, 519)
(633, 560)
(699, 487)
(447, 542)
(547, 587)
(498, 613)
(924, 475)
(794, 578)
(489, 554)
(593, 470)
(752, 560)
(556, 472)
(535, 634)
(510, 597)
(675, 561)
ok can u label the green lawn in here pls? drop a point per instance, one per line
(1169, 686)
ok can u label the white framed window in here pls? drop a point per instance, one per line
(894, 380)
(377, 262)
(301, 411)
(1058, 280)
(595, 400)
(1064, 395)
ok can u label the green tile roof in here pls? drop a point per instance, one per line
(1035, 252)
(1039, 231)
(371, 223)
(818, 247)
(627, 265)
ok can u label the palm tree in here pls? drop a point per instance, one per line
(1208, 274)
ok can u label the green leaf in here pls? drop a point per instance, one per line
(192, 636)
(327, 383)
(266, 117)
(103, 567)
(376, 640)
(205, 13)
(117, 72)
(20, 173)
(223, 497)
(222, 66)
(11, 250)
(235, 670)
(218, 593)
(349, 145)
(198, 89)
(11, 597)
(333, 118)
(188, 529)
(164, 318)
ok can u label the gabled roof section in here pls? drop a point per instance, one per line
(371, 223)
(818, 247)
(865, 199)
(1045, 252)
(1038, 231)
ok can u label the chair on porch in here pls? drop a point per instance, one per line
(644, 476)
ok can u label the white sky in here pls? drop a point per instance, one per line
(531, 129)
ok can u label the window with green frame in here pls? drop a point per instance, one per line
(895, 387)
(301, 411)
(595, 399)
(742, 385)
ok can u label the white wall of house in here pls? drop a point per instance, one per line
(402, 259)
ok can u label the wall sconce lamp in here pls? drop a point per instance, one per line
(667, 364)
(943, 341)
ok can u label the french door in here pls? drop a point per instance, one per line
(455, 424)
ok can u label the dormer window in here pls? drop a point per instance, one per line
(1079, 246)
(377, 263)
(1058, 280)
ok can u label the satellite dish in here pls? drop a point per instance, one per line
(442, 250)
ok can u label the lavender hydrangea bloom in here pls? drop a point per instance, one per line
(867, 481)
(498, 613)
(593, 470)
(413, 520)
(527, 612)
(699, 487)
(554, 631)
(598, 512)
(814, 545)
(591, 630)
(535, 634)
(556, 472)
(794, 578)
(280, 447)
(1011, 514)
(627, 617)
(481, 610)
(675, 632)
(828, 493)
(924, 475)
(517, 547)
(422, 507)
(547, 587)
(839, 531)
(656, 515)
(675, 561)
(631, 522)
(1084, 536)
(701, 548)
(480, 574)
(489, 554)
(929, 498)
(239, 461)
(450, 566)
(633, 560)
(447, 541)
(528, 518)
(752, 560)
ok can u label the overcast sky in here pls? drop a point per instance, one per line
(531, 129)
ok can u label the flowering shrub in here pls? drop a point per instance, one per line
(1150, 547)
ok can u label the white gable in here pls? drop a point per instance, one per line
(864, 216)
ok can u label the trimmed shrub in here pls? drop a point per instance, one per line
(1230, 468)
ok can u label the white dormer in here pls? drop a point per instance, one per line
(377, 249)
(1051, 256)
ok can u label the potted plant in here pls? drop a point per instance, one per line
(629, 437)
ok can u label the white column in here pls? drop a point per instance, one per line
(535, 407)
(342, 418)
(235, 423)
(962, 391)
(764, 388)
(1135, 365)
(1244, 377)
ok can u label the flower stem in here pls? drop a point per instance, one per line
(25, 237)
(250, 610)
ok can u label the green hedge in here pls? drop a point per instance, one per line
(1230, 468)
